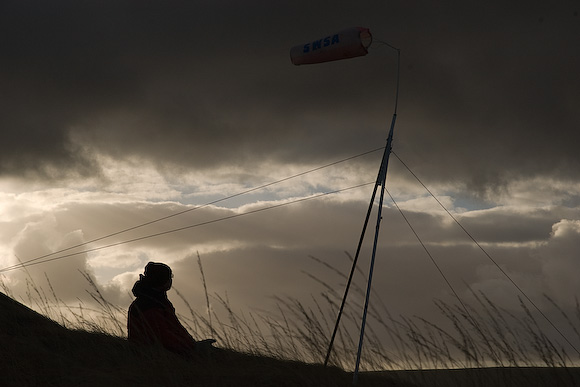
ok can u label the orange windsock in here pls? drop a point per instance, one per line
(348, 43)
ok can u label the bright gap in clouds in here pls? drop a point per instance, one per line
(269, 248)
(155, 197)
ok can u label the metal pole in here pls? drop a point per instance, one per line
(383, 180)
(360, 242)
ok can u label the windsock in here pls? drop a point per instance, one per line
(345, 44)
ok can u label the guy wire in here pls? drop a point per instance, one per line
(30, 261)
(490, 258)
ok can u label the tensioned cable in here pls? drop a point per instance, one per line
(37, 262)
(489, 256)
(189, 210)
(473, 321)
(427, 251)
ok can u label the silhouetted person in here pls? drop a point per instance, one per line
(152, 319)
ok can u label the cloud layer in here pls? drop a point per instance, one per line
(488, 93)
(114, 115)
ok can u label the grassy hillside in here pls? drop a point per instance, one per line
(36, 351)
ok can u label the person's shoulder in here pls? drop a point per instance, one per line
(145, 303)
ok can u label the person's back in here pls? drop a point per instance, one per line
(152, 319)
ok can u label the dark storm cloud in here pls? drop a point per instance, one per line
(492, 95)
(488, 92)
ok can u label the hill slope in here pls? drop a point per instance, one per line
(36, 351)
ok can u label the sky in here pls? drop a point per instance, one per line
(116, 114)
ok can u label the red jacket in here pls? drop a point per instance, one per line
(152, 320)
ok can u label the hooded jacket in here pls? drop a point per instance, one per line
(152, 320)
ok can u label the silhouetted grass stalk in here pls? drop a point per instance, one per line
(485, 335)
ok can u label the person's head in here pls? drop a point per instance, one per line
(158, 275)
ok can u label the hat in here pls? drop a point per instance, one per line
(157, 274)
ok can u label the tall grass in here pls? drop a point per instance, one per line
(483, 335)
